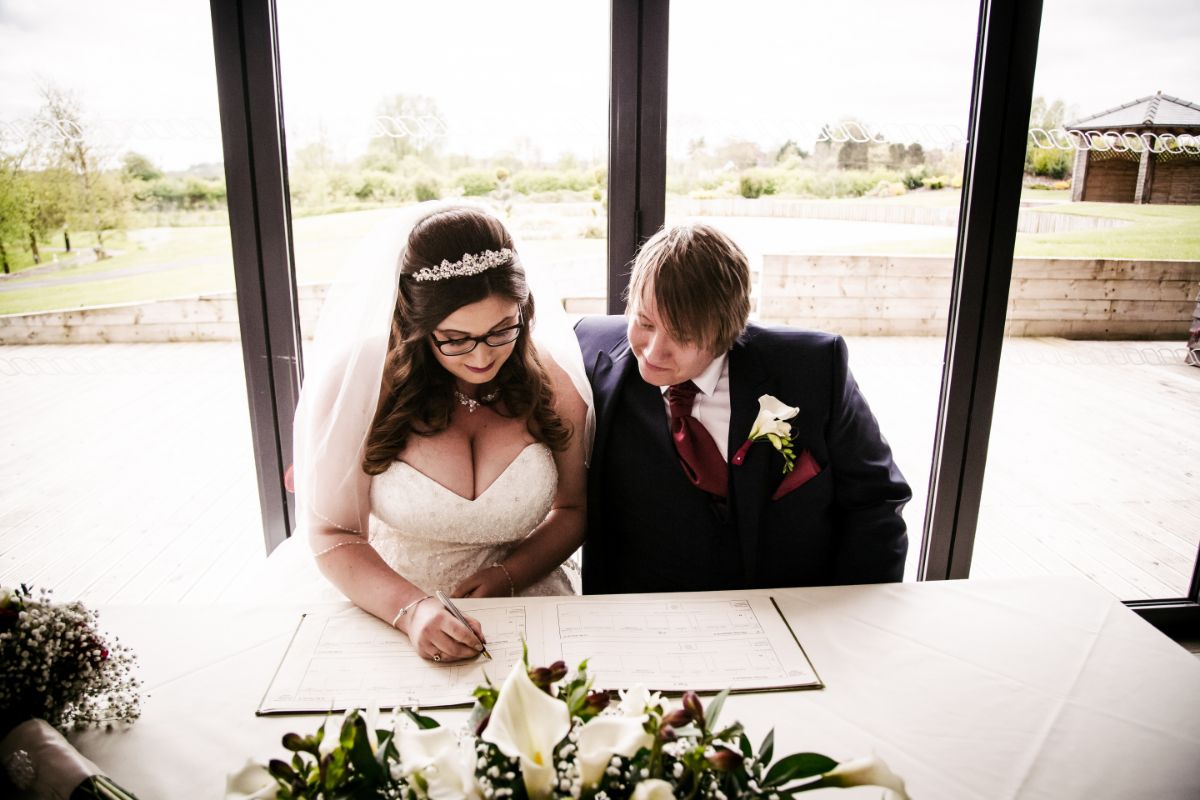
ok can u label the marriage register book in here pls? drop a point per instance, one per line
(345, 658)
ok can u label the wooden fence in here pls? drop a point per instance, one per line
(1072, 298)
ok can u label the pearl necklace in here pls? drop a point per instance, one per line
(471, 403)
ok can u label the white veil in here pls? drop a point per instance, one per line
(343, 373)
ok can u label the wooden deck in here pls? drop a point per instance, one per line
(126, 473)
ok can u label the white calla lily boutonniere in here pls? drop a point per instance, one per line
(771, 425)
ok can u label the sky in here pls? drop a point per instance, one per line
(531, 76)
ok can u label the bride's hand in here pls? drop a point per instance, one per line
(434, 631)
(487, 582)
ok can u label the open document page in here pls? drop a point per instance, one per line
(664, 642)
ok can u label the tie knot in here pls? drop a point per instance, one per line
(681, 397)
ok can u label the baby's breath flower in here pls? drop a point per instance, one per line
(55, 664)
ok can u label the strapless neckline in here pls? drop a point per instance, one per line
(504, 473)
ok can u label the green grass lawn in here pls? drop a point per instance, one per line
(183, 261)
(1152, 232)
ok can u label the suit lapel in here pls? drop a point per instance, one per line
(609, 373)
(748, 380)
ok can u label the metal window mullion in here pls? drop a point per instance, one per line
(246, 53)
(637, 134)
(1002, 93)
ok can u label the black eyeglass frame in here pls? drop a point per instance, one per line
(478, 340)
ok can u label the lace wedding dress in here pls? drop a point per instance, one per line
(435, 538)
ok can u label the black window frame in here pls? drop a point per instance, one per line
(245, 38)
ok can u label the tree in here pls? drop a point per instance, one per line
(139, 167)
(64, 144)
(789, 149)
(741, 153)
(13, 224)
(405, 125)
(916, 154)
(1041, 157)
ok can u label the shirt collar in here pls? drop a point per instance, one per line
(707, 380)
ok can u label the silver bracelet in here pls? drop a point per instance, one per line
(408, 608)
(512, 587)
(333, 547)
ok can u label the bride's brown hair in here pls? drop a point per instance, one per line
(417, 395)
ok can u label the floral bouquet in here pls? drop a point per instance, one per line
(58, 672)
(542, 736)
(55, 665)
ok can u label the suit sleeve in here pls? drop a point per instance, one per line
(869, 491)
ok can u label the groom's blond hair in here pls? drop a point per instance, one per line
(700, 280)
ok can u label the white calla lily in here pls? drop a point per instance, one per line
(637, 700)
(771, 415)
(866, 771)
(251, 782)
(607, 736)
(528, 723)
(653, 789)
(437, 756)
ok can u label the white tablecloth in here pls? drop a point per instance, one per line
(1038, 688)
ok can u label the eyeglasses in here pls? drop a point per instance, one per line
(464, 345)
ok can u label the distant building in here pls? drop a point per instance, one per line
(1163, 172)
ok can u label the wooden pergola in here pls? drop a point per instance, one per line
(1145, 151)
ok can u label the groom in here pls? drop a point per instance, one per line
(678, 499)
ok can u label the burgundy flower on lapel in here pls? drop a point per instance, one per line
(771, 425)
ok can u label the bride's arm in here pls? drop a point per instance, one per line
(352, 564)
(561, 533)
(333, 500)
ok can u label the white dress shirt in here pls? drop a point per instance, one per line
(711, 408)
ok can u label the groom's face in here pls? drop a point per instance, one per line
(662, 359)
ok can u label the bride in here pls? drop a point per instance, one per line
(448, 454)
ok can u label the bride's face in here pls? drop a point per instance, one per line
(478, 326)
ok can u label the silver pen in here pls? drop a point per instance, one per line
(458, 615)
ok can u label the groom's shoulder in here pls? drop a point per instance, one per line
(600, 332)
(771, 339)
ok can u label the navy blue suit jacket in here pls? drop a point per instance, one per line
(842, 526)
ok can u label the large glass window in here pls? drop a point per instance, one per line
(127, 472)
(828, 141)
(500, 105)
(1096, 431)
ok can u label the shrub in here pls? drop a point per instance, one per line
(912, 181)
(476, 183)
(1048, 162)
(373, 185)
(536, 181)
(753, 186)
(426, 189)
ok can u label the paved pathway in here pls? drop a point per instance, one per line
(126, 473)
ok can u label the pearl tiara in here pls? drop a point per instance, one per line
(469, 264)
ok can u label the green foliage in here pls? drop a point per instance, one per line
(756, 184)
(790, 151)
(913, 180)
(356, 765)
(1042, 161)
(476, 182)
(427, 189)
(538, 181)
(375, 185)
(1048, 162)
(139, 167)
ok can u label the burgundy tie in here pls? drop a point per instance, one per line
(698, 453)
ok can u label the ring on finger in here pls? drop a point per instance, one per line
(437, 656)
